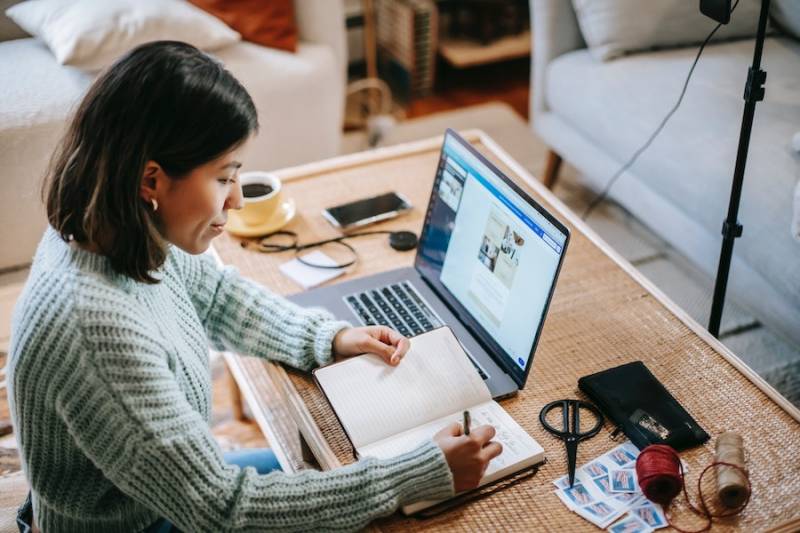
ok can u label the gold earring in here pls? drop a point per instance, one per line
(155, 204)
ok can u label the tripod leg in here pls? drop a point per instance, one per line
(731, 229)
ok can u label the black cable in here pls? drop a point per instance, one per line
(264, 246)
(602, 196)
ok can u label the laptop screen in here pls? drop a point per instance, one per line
(493, 253)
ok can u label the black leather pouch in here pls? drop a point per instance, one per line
(632, 398)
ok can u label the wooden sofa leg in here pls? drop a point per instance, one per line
(236, 397)
(551, 169)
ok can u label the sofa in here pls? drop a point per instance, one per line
(595, 114)
(299, 97)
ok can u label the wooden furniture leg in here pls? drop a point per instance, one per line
(551, 169)
(236, 396)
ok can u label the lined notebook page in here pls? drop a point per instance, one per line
(518, 446)
(374, 400)
(519, 449)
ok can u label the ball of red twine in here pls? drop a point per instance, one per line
(660, 473)
(661, 478)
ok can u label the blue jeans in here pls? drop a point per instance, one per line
(262, 459)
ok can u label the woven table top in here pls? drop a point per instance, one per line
(600, 317)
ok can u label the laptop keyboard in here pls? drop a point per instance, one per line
(398, 306)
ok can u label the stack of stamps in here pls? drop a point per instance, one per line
(606, 488)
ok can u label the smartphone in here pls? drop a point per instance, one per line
(366, 211)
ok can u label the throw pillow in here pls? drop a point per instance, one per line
(266, 22)
(612, 28)
(91, 34)
(786, 14)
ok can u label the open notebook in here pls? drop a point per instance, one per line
(386, 410)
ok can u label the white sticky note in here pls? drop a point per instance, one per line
(307, 276)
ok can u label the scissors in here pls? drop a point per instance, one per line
(571, 433)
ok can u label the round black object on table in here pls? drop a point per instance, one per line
(403, 240)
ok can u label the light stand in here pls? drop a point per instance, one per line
(731, 229)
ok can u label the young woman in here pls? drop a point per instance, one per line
(108, 373)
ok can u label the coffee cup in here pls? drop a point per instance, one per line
(261, 192)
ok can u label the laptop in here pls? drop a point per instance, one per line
(487, 263)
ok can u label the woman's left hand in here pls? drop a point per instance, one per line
(380, 340)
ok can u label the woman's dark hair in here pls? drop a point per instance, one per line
(164, 101)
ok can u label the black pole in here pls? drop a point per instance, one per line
(731, 229)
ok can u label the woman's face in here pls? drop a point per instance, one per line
(192, 210)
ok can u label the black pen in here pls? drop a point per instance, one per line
(466, 422)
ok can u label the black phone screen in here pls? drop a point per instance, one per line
(360, 210)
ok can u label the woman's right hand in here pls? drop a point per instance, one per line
(467, 455)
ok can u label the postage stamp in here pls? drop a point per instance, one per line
(621, 456)
(600, 513)
(650, 513)
(595, 469)
(578, 494)
(630, 524)
(623, 480)
(602, 484)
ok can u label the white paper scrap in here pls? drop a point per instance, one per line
(307, 276)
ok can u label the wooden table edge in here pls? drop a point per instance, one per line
(792, 526)
(284, 387)
(251, 398)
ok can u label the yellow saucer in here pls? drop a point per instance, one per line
(280, 218)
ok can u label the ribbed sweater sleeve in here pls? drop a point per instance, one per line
(125, 411)
(244, 317)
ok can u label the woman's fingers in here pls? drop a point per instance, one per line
(384, 342)
(450, 430)
(491, 450)
(401, 349)
(385, 351)
(398, 345)
(482, 434)
(468, 456)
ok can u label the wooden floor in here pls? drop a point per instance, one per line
(507, 82)
(230, 433)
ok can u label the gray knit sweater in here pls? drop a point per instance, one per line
(110, 397)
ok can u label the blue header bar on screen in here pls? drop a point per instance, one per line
(478, 170)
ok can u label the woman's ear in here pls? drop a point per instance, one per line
(150, 181)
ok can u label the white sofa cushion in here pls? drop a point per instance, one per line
(33, 112)
(618, 104)
(787, 16)
(90, 35)
(614, 27)
(299, 101)
(796, 217)
(43, 91)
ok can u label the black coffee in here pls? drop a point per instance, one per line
(254, 190)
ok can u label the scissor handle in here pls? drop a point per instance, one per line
(571, 429)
